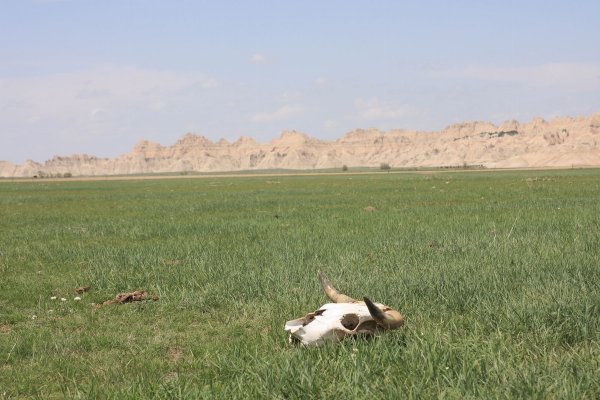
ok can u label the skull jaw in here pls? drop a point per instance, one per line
(335, 335)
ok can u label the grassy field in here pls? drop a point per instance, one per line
(497, 273)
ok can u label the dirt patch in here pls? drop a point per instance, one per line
(370, 209)
(174, 354)
(172, 263)
(5, 329)
(266, 330)
(171, 377)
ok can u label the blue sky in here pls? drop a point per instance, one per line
(95, 77)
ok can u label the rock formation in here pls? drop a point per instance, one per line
(561, 142)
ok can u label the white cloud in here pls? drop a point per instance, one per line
(97, 113)
(281, 113)
(67, 95)
(158, 105)
(330, 124)
(555, 75)
(258, 58)
(374, 109)
(209, 83)
(289, 97)
(321, 81)
(96, 110)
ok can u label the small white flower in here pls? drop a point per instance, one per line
(33, 316)
(77, 298)
(63, 299)
(53, 298)
(50, 311)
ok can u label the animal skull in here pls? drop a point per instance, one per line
(342, 318)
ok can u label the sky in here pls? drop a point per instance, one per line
(98, 76)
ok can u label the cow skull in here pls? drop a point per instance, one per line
(342, 318)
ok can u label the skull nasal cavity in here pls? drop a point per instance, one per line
(350, 321)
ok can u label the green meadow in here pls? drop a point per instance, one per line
(497, 274)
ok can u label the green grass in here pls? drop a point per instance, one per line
(497, 273)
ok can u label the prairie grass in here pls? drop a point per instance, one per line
(497, 273)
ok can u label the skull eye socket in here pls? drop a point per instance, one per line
(350, 321)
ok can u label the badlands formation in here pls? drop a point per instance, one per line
(561, 142)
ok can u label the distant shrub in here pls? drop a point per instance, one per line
(344, 167)
(499, 133)
(385, 166)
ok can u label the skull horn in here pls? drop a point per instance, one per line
(390, 319)
(333, 294)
